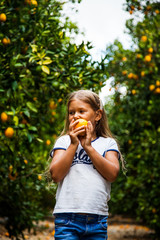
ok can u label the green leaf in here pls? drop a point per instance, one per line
(34, 48)
(46, 62)
(45, 69)
(32, 128)
(16, 120)
(14, 85)
(31, 107)
(18, 65)
(39, 140)
(27, 113)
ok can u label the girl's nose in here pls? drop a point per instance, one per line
(76, 116)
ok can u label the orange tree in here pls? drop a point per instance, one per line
(135, 112)
(39, 65)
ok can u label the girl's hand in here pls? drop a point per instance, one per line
(86, 140)
(73, 133)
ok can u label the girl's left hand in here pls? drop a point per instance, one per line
(86, 140)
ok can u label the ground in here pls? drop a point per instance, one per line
(119, 228)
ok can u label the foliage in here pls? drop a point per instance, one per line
(135, 114)
(39, 65)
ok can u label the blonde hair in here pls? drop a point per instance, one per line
(102, 128)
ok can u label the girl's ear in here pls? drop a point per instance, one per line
(98, 115)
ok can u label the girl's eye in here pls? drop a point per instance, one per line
(71, 113)
(81, 111)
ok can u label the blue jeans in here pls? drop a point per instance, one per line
(75, 226)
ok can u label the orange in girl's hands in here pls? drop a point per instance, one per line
(82, 122)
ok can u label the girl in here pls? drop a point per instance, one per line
(84, 163)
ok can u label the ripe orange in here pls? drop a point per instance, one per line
(142, 73)
(52, 105)
(9, 132)
(138, 55)
(150, 50)
(48, 142)
(130, 75)
(124, 72)
(3, 17)
(4, 117)
(34, 2)
(157, 90)
(149, 8)
(6, 41)
(82, 122)
(39, 177)
(157, 11)
(133, 91)
(124, 59)
(151, 87)
(147, 58)
(144, 38)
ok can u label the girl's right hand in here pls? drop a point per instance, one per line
(73, 133)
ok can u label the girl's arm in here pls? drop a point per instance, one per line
(107, 166)
(62, 159)
(61, 162)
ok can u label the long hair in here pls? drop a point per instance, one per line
(102, 128)
(87, 96)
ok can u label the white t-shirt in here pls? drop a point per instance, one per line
(84, 190)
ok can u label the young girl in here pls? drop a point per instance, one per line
(84, 163)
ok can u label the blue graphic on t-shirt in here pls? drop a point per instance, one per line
(81, 158)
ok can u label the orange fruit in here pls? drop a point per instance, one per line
(144, 38)
(52, 105)
(150, 50)
(9, 132)
(151, 87)
(133, 91)
(39, 177)
(82, 122)
(147, 58)
(48, 142)
(4, 117)
(60, 100)
(142, 73)
(130, 75)
(149, 8)
(124, 72)
(34, 2)
(138, 55)
(157, 11)
(6, 41)
(157, 90)
(124, 59)
(3, 17)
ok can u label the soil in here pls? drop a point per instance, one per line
(119, 228)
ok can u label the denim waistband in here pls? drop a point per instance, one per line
(81, 217)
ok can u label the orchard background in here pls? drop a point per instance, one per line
(40, 63)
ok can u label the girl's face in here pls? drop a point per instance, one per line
(79, 109)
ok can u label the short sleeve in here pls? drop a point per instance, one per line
(112, 146)
(61, 143)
